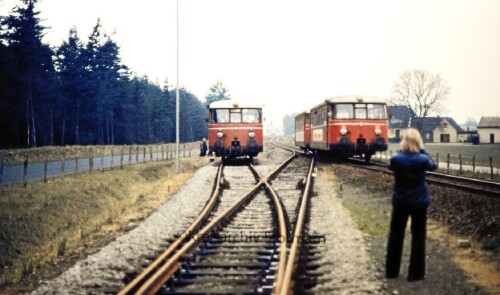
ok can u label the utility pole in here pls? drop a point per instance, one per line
(177, 107)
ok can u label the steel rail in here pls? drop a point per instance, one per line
(135, 284)
(165, 271)
(454, 177)
(280, 270)
(494, 193)
(294, 248)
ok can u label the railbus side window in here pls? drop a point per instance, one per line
(318, 117)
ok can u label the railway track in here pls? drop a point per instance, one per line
(463, 183)
(238, 243)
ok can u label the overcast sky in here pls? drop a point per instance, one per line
(290, 55)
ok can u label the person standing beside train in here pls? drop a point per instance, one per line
(203, 148)
(410, 198)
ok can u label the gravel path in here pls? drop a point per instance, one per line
(345, 261)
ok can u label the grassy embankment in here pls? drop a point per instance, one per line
(43, 223)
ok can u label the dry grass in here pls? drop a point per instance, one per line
(44, 222)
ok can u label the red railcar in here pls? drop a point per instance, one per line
(349, 125)
(235, 129)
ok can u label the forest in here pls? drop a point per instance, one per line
(80, 93)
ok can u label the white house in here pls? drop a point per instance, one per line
(489, 130)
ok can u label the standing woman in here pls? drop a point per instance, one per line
(409, 198)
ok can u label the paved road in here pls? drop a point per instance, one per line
(14, 173)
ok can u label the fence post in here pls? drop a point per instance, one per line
(448, 163)
(91, 161)
(474, 164)
(137, 154)
(63, 164)
(161, 148)
(112, 159)
(101, 163)
(45, 164)
(437, 160)
(150, 153)
(460, 162)
(130, 151)
(76, 165)
(491, 167)
(1, 168)
(121, 158)
(25, 173)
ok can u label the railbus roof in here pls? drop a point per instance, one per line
(234, 104)
(352, 99)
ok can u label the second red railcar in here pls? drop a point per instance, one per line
(347, 126)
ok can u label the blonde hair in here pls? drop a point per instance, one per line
(412, 141)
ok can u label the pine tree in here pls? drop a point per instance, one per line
(217, 92)
(71, 69)
(33, 72)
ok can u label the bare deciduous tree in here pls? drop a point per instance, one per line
(420, 91)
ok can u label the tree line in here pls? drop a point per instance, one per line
(81, 92)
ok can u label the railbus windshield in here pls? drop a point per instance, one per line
(236, 115)
(371, 111)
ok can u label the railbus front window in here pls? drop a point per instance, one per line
(343, 111)
(251, 115)
(220, 116)
(360, 112)
(235, 116)
(376, 111)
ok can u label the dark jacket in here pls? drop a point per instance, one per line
(410, 186)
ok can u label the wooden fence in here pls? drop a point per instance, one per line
(459, 160)
(117, 157)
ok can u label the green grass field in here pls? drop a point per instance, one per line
(482, 153)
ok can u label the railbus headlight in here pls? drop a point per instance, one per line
(220, 134)
(343, 131)
(378, 132)
(251, 134)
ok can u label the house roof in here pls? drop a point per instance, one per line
(489, 122)
(428, 124)
(399, 116)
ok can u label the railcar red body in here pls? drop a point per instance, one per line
(235, 129)
(347, 126)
